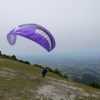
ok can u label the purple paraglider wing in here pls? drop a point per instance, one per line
(33, 32)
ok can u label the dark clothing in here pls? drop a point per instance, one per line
(44, 72)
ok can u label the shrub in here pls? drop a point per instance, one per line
(38, 65)
(7, 56)
(13, 57)
(56, 71)
(26, 62)
(94, 84)
(21, 61)
(65, 76)
(3, 56)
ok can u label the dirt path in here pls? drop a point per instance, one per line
(59, 90)
(56, 91)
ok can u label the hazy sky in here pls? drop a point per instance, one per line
(75, 25)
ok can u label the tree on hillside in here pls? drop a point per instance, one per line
(13, 57)
(94, 84)
(56, 71)
(26, 62)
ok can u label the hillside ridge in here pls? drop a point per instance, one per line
(19, 81)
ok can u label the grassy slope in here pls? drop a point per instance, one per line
(17, 87)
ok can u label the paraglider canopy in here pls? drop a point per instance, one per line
(34, 32)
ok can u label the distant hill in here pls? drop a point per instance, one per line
(87, 78)
(83, 70)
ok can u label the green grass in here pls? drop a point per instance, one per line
(19, 87)
(26, 68)
(24, 88)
